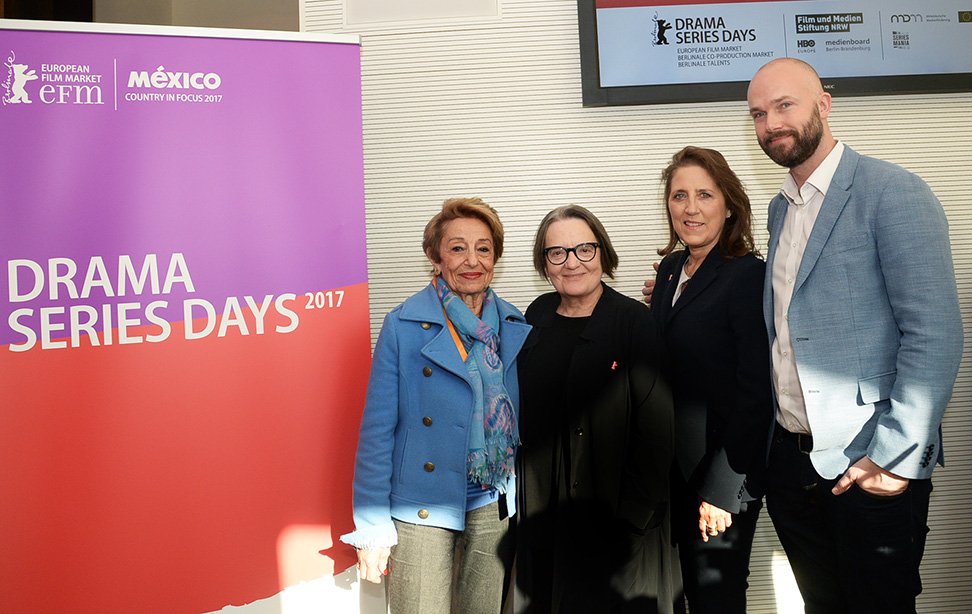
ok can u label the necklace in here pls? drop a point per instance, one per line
(689, 269)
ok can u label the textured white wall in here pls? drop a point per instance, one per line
(492, 108)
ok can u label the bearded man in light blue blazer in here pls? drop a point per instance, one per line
(863, 318)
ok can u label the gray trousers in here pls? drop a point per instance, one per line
(438, 571)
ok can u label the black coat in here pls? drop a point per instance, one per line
(720, 371)
(617, 423)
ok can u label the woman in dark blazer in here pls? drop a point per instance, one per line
(707, 304)
(596, 429)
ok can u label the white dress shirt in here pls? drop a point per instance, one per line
(682, 279)
(801, 214)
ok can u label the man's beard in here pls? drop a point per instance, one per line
(807, 141)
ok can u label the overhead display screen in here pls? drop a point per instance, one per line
(667, 51)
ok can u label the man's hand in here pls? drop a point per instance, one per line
(649, 286)
(871, 478)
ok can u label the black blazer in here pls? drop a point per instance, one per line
(720, 372)
(615, 414)
(620, 414)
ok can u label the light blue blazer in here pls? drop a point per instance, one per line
(874, 319)
(412, 446)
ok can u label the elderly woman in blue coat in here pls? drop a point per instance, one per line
(433, 478)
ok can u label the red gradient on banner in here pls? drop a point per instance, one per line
(617, 4)
(160, 477)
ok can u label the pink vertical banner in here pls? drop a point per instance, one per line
(184, 337)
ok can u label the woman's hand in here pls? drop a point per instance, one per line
(373, 564)
(713, 520)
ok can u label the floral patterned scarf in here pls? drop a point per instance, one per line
(492, 447)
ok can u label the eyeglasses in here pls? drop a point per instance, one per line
(584, 252)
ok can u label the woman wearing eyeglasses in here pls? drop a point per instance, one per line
(596, 430)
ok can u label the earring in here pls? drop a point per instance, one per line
(728, 214)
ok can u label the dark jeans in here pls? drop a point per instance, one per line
(714, 573)
(855, 552)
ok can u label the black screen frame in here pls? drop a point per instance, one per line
(722, 91)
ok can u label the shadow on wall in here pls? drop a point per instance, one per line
(300, 554)
(307, 580)
(342, 593)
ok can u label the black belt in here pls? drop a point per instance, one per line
(803, 442)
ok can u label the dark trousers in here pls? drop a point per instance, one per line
(714, 573)
(854, 552)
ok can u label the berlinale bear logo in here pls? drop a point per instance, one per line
(17, 78)
(658, 33)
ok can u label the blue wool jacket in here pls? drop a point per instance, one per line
(874, 319)
(411, 460)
